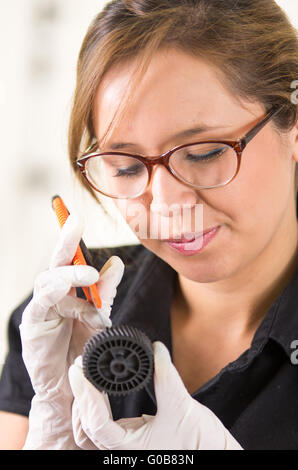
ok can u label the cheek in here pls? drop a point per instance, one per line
(257, 199)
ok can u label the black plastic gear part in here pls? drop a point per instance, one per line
(118, 360)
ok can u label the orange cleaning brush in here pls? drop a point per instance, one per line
(82, 253)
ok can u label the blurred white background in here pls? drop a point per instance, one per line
(40, 41)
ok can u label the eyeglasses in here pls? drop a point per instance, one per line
(199, 165)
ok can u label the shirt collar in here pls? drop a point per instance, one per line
(283, 316)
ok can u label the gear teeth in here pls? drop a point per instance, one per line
(118, 360)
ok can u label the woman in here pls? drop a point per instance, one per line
(215, 86)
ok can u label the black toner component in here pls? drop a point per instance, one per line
(118, 360)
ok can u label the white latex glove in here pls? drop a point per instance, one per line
(55, 326)
(180, 423)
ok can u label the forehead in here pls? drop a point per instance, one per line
(176, 90)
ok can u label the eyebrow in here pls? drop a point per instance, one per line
(185, 133)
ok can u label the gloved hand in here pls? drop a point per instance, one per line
(180, 423)
(55, 326)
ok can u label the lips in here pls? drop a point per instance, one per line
(198, 244)
(188, 237)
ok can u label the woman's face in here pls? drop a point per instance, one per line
(179, 92)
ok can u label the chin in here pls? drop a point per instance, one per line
(202, 272)
(198, 267)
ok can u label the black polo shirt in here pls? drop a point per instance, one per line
(254, 396)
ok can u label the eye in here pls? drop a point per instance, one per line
(130, 172)
(206, 156)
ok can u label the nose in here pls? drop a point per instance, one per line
(168, 193)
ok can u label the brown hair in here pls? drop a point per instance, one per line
(251, 42)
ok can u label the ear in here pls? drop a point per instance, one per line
(294, 141)
(295, 154)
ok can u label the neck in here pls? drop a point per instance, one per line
(240, 302)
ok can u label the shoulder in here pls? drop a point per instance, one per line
(14, 322)
(16, 391)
